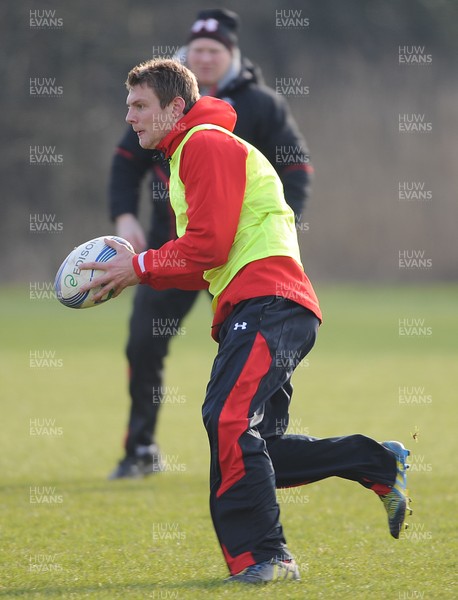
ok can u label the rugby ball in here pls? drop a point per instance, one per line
(69, 277)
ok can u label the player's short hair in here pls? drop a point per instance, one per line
(168, 78)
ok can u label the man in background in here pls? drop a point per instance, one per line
(264, 120)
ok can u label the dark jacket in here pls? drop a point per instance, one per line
(263, 119)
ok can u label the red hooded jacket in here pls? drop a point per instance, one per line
(213, 170)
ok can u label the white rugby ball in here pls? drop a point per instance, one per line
(70, 278)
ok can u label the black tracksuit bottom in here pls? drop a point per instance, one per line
(156, 318)
(246, 414)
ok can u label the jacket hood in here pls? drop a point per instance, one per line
(207, 110)
(249, 74)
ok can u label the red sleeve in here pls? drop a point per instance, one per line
(213, 170)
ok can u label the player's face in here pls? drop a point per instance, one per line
(149, 121)
(209, 60)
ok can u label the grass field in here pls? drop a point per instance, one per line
(385, 365)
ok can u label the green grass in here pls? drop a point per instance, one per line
(103, 539)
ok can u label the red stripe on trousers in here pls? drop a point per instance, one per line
(233, 420)
(240, 562)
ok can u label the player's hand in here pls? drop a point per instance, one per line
(118, 273)
(128, 227)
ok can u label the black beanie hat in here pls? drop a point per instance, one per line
(217, 24)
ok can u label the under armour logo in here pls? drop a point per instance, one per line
(206, 24)
(240, 326)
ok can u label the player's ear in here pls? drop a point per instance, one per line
(178, 105)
